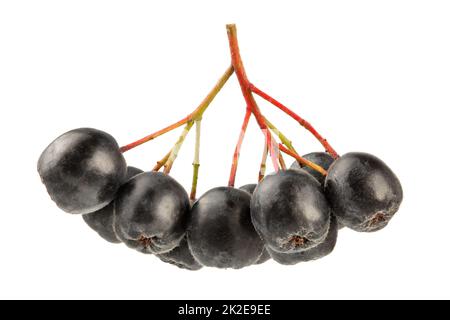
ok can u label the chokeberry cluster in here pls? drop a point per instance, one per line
(292, 215)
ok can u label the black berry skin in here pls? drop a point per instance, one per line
(290, 212)
(82, 170)
(265, 256)
(319, 251)
(181, 257)
(363, 192)
(221, 233)
(131, 172)
(248, 187)
(101, 221)
(322, 159)
(151, 212)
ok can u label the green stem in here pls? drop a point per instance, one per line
(283, 138)
(194, 116)
(196, 162)
(176, 148)
(197, 113)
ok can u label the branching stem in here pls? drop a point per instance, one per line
(299, 119)
(247, 93)
(197, 113)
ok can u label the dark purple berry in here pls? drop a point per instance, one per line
(248, 187)
(290, 212)
(82, 170)
(317, 252)
(102, 220)
(151, 212)
(322, 159)
(363, 192)
(265, 256)
(181, 257)
(221, 233)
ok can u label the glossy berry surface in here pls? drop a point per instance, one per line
(322, 159)
(82, 170)
(265, 256)
(131, 172)
(181, 257)
(221, 233)
(363, 192)
(317, 252)
(151, 212)
(101, 221)
(290, 212)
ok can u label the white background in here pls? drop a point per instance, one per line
(371, 75)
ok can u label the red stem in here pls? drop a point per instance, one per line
(302, 160)
(262, 167)
(196, 113)
(156, 134)
(282, 162)
(247, 93)
(237, 150)
(300, 120)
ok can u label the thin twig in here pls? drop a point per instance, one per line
(299, 119)
(262, 167)
(192, 116)
(176, 148)
(247, 93)
(196, 162)
(302, 160)
(237, 149)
